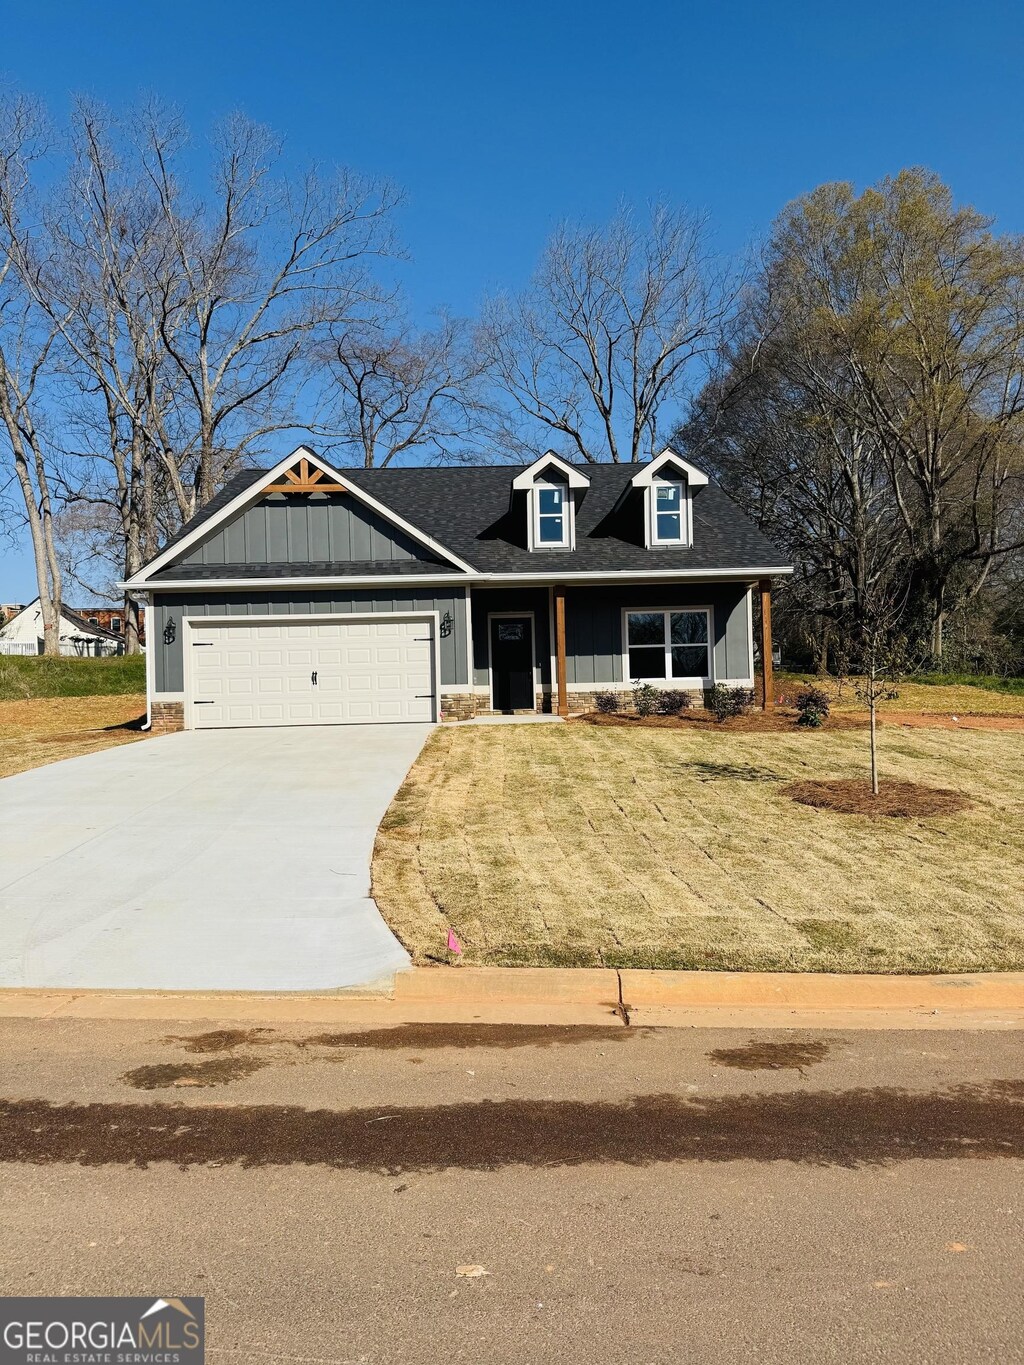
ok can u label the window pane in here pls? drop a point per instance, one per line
(669, 495)
(669, 526)
(551, 531)
(690, 661)
(689, 627)
(550, 499)
(645, 662)
(647, 628)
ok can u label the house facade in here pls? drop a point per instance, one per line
(79, 637)
(306, 594)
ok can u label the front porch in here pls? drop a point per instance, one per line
(551, 648)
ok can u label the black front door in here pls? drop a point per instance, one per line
(512, 663)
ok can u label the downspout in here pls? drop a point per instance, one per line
(147, 602)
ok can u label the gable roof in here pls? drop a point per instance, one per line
(464, 513)
(239, 492)
(72, 618)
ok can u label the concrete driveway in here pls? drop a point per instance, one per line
(224, 860)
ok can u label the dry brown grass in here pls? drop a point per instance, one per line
(957, 700)
(656, 847)
(47, 729)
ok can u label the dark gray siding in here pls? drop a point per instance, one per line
(332, 528)
(593, 626)
(486, 600)
(298, 602)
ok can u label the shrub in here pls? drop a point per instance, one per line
(726, 701)
(672, 701)
(645, 698)
(606, 702)
(814, 708)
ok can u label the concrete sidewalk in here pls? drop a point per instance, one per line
(499, 995)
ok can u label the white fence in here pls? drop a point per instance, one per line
(70, 649)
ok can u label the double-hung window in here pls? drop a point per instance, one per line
(669, 644)
(668, 514)
(552, 517)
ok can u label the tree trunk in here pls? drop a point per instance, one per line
(874, 751)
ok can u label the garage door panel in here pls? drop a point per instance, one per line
(367, 671)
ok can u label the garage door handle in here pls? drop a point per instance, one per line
(202, 644)
(312, 677)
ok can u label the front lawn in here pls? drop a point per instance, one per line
(24, 678)
(41, 731)
(589, 845)
(935, 694)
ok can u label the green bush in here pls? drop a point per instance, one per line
(607, 702)
(725, 702)
(645, 698)
(814, 708)
(671, 701)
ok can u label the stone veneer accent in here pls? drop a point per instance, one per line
(167, 717)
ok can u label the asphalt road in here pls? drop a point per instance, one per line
(636, 1197)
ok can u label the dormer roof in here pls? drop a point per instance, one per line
(571, 473)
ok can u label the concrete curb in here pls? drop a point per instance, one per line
(501, 995)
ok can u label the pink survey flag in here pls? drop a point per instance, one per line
(454, 946)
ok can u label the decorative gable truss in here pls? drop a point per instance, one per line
(302, 473)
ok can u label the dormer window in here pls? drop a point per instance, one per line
(668, 510)
(549, 490)
(552, 515)
(668, 484)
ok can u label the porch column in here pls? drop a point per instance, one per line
(768, 702)
(563, 700)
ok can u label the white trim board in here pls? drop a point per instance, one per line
(251, 494)
(622, 578)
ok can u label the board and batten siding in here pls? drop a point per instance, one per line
(593, 626)
(332, 528)
(298, 602)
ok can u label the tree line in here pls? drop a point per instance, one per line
(169, 306)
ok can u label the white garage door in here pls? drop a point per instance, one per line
(311, 672)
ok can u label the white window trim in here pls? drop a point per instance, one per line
(568, 541)
(534, 666)
(685, 514)
(668, 680)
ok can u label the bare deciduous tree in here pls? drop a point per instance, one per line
(26, 355)
(393, 391)
(607, 335)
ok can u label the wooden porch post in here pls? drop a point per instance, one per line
(768, 702)
(563, 700)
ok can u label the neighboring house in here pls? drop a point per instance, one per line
(306, 595)
(111, 619)
(23, 634)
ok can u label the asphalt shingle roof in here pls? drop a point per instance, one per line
(466, 508)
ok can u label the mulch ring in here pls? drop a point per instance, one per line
(754, 722)
(853, 796)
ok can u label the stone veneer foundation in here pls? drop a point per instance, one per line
(167, 717)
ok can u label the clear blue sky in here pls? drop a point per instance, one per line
(499, 120)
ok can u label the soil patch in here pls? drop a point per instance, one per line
(845, 1128)
(221, 1039)
(167, 1074)
(932, 720)
(853, 796)
(762, 1056)
(424, 1037)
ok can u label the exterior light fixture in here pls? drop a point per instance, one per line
(170, 631)
(447, 622)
